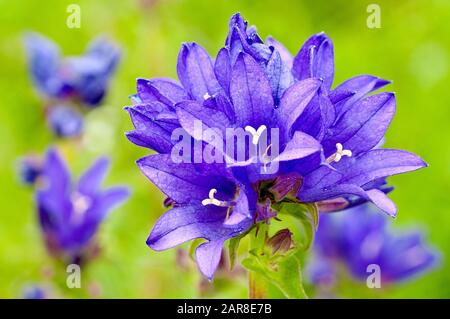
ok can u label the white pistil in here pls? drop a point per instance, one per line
(256, 134)
(214, 201)
(340, 152)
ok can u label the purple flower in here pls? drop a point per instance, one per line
(70, 213)
(64, 121)
(35, 292)
(84, 78)
(30, 169)
(315, 144)
(360, 237)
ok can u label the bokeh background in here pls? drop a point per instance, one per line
(412, 48)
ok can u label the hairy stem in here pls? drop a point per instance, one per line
(256, 283)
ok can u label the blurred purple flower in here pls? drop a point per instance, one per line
(35, 292)
(360, 237)
(30, 169)
(84, 78)
(328, 140)
(70, 213)
(64, 121)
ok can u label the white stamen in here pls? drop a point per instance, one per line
(80, 204)
(214, 201)
(340, 152)
(256, 134)
(206, 96)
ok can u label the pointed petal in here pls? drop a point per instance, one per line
(92, 179)
(379, 163)
(383, 202)
(186, 182)
(360, 85)
(208, 257)
(317, 117)
(285, 55)
(184, 223)
(300, 146)
(43, 62)
(315, 59)
(165, 91)
(280, 76)
(106, 201)
(363, 125)
(222, 69)
(153, 129)
(251, 93)
(196, 72)
(293, 103)
(55, 174)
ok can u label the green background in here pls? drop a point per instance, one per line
(412, 48)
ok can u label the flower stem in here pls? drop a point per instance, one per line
(256, 283)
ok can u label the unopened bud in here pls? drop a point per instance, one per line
(286, 186)
(281, 242)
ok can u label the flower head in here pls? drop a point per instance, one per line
(360, 237)
(85, 78)
(302, 140)
(70, 213)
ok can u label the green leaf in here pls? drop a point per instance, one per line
(285, 274)
(233, 246)
(307, 215)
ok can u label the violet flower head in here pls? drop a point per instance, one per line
(84, 78)
(360, 237)
(71, 213)
(314, 144)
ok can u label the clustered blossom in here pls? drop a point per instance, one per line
(328, 144)
(360, 237)
(70, 84)
(70, 213)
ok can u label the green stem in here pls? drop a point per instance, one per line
(256, 283)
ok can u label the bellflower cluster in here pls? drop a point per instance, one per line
(360, 237)
(255, 127)
(70, 213)
(70, 84)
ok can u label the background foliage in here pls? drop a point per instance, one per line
(412, 48)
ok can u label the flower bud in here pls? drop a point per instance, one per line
(281, 242)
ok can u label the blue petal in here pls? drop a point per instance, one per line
(315, 60)
(363, 125)
(251, 93)
(161, 90)
(90, 182)
(186, 182)
(196, 72)
(294, 102)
